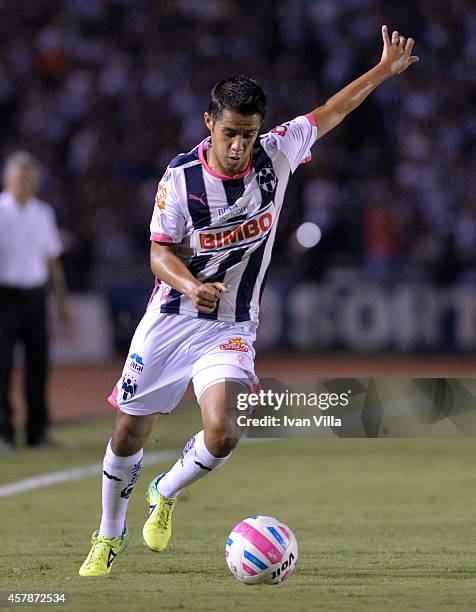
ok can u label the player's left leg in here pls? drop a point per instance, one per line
(122, 466)
(154, 378)
(204, 452)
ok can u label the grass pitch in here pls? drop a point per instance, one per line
(381, 525)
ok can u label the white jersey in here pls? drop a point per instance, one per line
(226, 226)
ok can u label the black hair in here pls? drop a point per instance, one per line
(241, 94)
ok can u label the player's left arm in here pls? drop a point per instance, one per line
(396, 57)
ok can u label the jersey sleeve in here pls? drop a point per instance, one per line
(168, 221)
(294, 139)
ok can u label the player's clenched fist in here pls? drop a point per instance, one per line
(205, 296)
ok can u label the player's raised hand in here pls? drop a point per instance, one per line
(205, 296)
(397, 52)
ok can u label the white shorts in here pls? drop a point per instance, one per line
(168, 350)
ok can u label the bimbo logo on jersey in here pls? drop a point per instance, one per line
(236, 234)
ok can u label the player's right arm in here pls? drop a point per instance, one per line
(167, 231)
(168, 267)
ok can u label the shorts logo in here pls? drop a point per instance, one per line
(128, 387)
(267, 179)
(136, 363)
(235, 344)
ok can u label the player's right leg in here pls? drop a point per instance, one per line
(223, 367)
(205, 452)
(122, 466)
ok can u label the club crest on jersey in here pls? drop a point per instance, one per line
(128, 387)
(234, 344)
(136, 363)
(234, 234)
(267, 178)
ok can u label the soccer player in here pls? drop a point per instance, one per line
(212, 234)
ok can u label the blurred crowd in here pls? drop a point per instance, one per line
(106, 92)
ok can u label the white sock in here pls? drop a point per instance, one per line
(119, 477)
(195, 463)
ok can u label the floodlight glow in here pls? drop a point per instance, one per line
(308, 235)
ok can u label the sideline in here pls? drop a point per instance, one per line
(51, 478)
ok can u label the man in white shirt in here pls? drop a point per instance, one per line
(29, 257)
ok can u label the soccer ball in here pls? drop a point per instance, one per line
(261, 549)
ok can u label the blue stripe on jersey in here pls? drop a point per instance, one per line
(173, 304)
(248, 282)
(254, 560)
(262, 162)
(196, 265)
(232, 259)
(197, 200)
(261, 289)
(260, 158)
(184, 158)
(234, 190)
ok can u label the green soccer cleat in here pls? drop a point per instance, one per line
(102, 554)
(158, 527)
